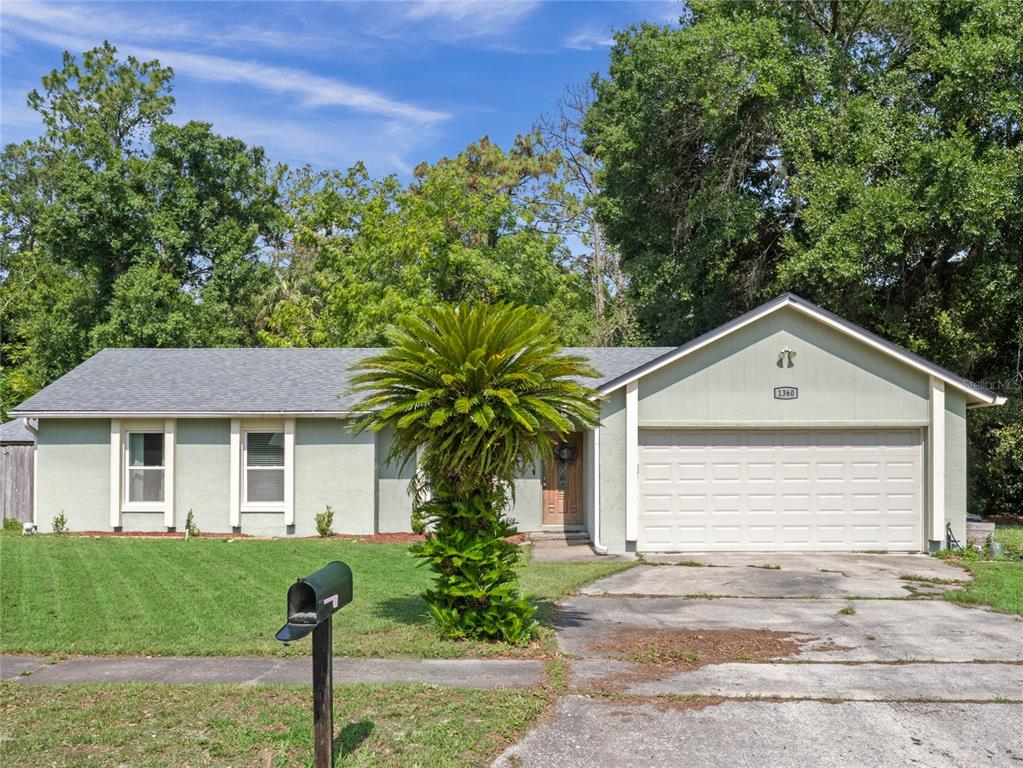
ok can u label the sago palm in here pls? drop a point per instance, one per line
(477, 394)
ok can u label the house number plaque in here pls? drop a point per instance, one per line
(786, 393)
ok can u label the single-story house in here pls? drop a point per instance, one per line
(787, 428)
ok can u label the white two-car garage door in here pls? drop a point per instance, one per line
(796, 490)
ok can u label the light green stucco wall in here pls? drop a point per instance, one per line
(73, 469)
(393, 503)
(528, 500)
(335, 467)
(202, 477)
(841, 381)
(955, 462)
(587, 460)
(612, 472)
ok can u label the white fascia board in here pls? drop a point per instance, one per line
(826, 318)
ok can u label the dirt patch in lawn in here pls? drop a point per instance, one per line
(692, 648)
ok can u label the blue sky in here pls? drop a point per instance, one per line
(391, 84)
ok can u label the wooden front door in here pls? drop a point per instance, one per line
(563, 484)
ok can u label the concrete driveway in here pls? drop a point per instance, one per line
(872, 668)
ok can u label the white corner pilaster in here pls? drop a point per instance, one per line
(936, 461)
(115, 473)
(631, 461)
(236, 473)
(169, 442)
(289, 471)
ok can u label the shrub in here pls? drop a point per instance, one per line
(191, 529)
(11, 525)
(325, 522)
(60, 523)
(477, 393)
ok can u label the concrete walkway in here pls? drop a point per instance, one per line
(458, 673)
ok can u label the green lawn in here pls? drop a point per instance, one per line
(998, 584)
(156, 725)
(1011, 537)
(79, 595)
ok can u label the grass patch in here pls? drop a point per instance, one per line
(158, 725)
(766, 567)
(848, 611)
(212, 597)
(1011, 536)
(931, 579)
(996, 583)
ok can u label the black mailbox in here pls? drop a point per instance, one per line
(315, 599)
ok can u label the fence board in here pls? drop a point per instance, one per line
(16, 482)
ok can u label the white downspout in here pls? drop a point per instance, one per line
(599, 548)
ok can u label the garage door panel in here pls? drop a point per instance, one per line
(780, 489)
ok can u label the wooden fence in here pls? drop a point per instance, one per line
(16, 481)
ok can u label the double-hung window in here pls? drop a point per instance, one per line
(144, 468)
(263, 476)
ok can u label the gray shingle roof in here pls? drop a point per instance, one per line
(223, 381)
(15, 432)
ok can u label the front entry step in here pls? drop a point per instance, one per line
(562, 537)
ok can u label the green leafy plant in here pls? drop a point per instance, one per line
(479, 392)
(325, 523)
(11, 525)
(60, 523)
(191, 529)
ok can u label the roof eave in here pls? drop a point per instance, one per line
(985, 396)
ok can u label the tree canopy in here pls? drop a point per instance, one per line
(864, 154)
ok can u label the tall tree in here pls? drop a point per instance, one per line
(471, 227)
(572, 204)
(120, 228)
(865, 154)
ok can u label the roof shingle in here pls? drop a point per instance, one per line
(224, 381)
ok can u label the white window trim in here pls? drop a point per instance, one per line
(119, 504)
(239, 504)
(141, 506)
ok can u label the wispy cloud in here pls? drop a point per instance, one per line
(587, 39)
(47, 24)
(150, 24)
(453, 21)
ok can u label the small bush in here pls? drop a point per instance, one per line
(191, 529)
(418, 521)
(325, 522)
(60, 523)
(12, 526)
